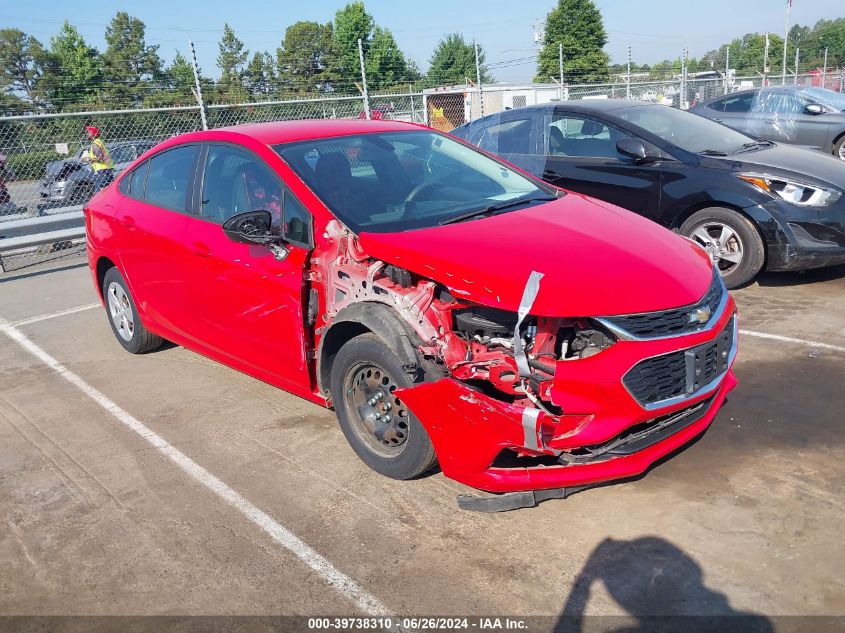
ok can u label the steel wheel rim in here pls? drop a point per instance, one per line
(378, 417)
(120, 311)
(842, 152)
(722, 243)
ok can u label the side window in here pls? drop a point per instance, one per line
(778, 102)
(571, 135)
(132, 184)
(297, 225)
(736, 103)
(236, 181)
(508, 137)
(169, 178)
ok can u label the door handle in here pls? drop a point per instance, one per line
(200, 250)
(128, 221)
(717, 120)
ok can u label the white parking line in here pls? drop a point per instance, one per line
(53, 315)
(789, 339)
(342, 583)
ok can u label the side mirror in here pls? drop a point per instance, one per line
(253, 227)
(635, 149)
(814, 108)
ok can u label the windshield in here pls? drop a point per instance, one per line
(826, 97)
(395, 181)
(688, 131)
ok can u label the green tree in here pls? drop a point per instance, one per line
(129, 64)
(578, 25)
(259, 74)
(453, 62)
(74, 70)
(385, 63)
(352, 23)
(22, 62)
(307, 60)
(231, 60)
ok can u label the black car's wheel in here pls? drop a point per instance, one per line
(731, 239)
(123, 316)
(378, 426)
(839, 148)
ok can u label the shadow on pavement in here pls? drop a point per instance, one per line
(659, 586)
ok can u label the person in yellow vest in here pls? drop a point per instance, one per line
(99, 158)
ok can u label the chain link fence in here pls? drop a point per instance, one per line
(43, 175)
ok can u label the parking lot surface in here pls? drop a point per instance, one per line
(102, 516)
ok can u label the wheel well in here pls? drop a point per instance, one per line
(336, 337)
(836, 140)
(682, 217)
(103, 266)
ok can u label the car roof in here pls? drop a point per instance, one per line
(290, 131)
(580, 105)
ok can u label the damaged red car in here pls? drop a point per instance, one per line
(449, 307)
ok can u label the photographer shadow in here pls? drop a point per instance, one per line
(659, 586)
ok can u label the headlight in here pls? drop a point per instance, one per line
(794, 192)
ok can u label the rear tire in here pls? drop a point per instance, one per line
(364, 374)
(123, 316)
(731, 239)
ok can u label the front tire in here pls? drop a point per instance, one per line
(731, 240)
(123, 316)
(379, 428)
(839, 148)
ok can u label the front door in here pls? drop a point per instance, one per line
(249, 306)
(582, 156)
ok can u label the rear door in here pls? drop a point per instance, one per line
(732, 110)
(152, 221)
(247, 305)
(582, 156)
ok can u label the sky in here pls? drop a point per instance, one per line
(654, 29)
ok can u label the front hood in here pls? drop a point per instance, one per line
(797, 162)
(596, 259)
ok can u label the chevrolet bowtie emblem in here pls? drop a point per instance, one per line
(700, 315)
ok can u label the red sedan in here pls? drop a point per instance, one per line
(449, 307)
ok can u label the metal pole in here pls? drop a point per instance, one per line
(560, 61)
(197, 86)
(785, 40)
(824, 69)
(727, 65)
(796, 66)
(478, 80)
(364, 80)
(413, 108)
(766, 62)
(682, 96)
(628, 77)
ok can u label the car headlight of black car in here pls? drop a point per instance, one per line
(799, 193)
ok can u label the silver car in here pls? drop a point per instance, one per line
(800, 115)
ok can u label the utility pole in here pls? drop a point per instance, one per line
(197, 89)
(683, 96)
(478, 80)
(795, 83)
(785, 40)
(560, 61)
(364, 80)
(727, 65)
(824, 69)
(628, 77)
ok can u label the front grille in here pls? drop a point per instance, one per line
(683, 373)
(675, 322)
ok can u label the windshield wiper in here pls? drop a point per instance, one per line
(752, 145)
(495, 208)
(713, 152)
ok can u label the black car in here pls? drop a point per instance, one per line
(812, 117)
(752, 204)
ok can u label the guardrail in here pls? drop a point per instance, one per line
(62, 231)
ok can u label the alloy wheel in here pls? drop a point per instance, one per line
(120, 310)
(722, 243)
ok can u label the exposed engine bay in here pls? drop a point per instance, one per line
(475, 344)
